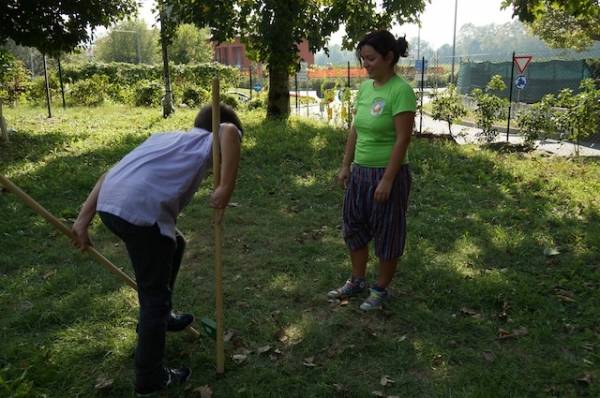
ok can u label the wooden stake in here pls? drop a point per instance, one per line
(39, 209)
(218, 227)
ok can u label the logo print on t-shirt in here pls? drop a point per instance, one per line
(377, 106)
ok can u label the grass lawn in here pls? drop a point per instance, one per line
(497, 295)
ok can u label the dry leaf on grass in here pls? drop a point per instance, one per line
(504, 334)
(204, 391)
(263, 349)
(228, 335)
(386, 381)
(585, 379)
(103, 383)
(489, 356)
(239, 358)
(309, 362)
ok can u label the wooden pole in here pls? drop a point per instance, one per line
(39, 209)
(47, 85)
(218, 227)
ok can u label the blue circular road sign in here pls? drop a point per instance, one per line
(521, 82)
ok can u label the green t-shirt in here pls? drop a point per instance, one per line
(374, 119)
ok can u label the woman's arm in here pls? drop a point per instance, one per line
(344, 172)
(229, 139)
(85, 217)
(403, 123)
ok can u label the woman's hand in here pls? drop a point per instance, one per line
(343, 176)
(220, 197)
(382, 192)
(81, 237)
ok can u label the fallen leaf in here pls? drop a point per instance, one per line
(504, 334)
(309, 362)
(344, 302)
(489, 356)
(551, 251)
(263, 349)
(204, 391)
(386, 381)
(243, 351)
(239, 358)
(564, 295)
(401, 338)
(377, 394)
(103, 383)
(49, 274)
(585, 379)
(339, 387)
(228, 335)
(468, 311)
(233, 204)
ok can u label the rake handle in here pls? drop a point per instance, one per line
(39, 209)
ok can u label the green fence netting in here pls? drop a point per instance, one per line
(543, 78)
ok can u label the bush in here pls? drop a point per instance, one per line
(581, 117)
(256, 103)
(14, 77)
(538, 121)
(148, 93)
(230, 100)
(90, 92)
(448, 107)
(194, 96)
(36, 91)
(490, 108)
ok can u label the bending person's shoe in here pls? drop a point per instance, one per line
(174, 377)
(176, 323)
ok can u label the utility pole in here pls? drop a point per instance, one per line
(454, 41)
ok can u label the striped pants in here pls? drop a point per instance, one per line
(365, 219)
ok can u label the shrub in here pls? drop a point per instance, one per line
(448, 106)
(90, 92)
(229, 100)
(581, 117)
(489, 108)
(36, 91)
(194, 96)
(14, 77)
(255, 103)
(539, 120)
(148, 93)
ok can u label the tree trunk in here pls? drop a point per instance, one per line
(3, 128)
(279, 93)
(167, 102)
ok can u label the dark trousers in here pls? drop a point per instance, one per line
(156, 260)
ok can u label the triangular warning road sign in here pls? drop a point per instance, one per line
(522, 61)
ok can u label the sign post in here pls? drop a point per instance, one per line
(521, 61)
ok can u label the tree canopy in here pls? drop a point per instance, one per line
(190, 45)
(561, 23)
(54, 26)
(130, 41)
(272, 30)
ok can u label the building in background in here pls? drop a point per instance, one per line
(234, 54)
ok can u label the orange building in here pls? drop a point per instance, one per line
(234, 54)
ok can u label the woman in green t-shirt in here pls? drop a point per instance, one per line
(375, 171)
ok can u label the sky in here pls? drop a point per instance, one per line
(437, 22)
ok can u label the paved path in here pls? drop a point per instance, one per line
(469, 135)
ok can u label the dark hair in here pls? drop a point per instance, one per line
(383, 42)
(204, 117)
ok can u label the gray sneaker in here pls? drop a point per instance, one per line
(350, 288)
(375, 300)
